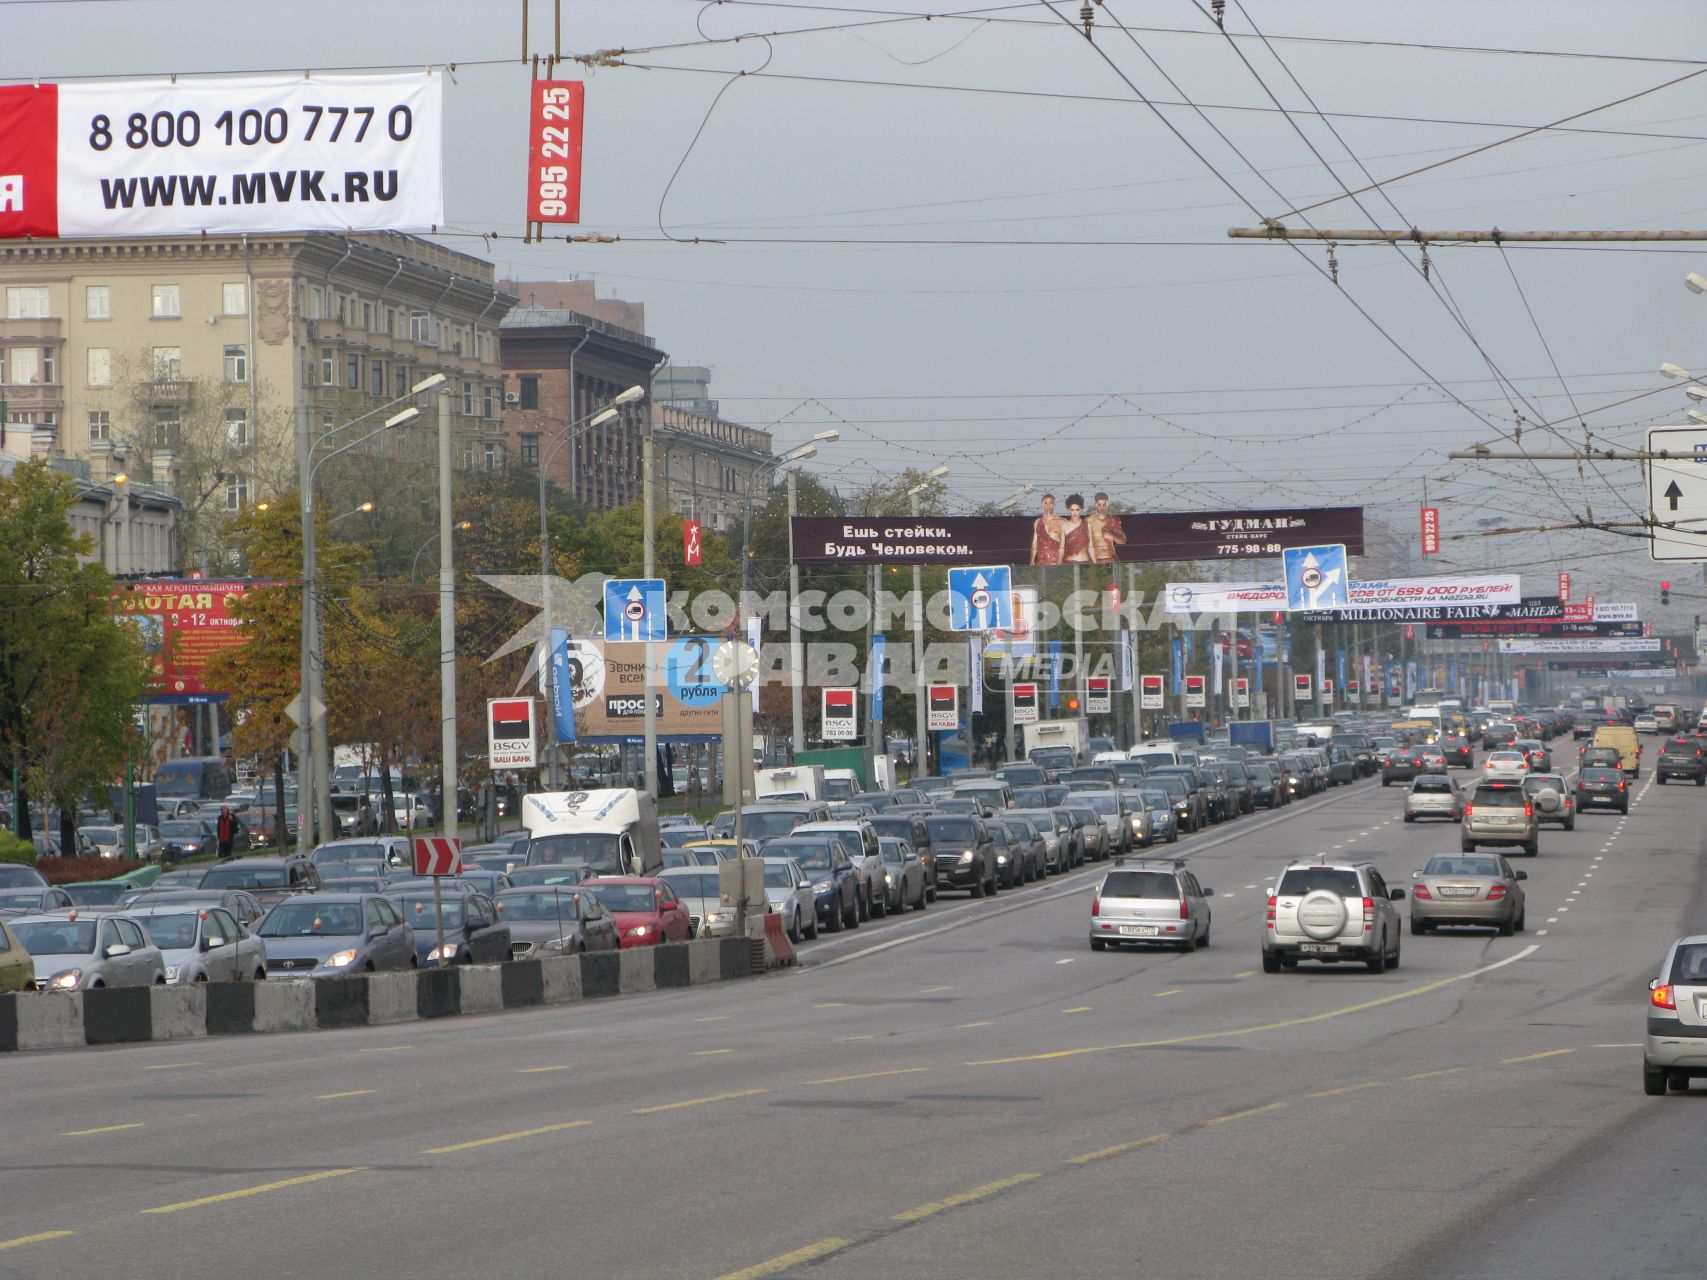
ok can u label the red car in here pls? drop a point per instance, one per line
(647, 911)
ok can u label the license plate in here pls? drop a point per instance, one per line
(1318, 948)
(1139, 930)
(1451, 892)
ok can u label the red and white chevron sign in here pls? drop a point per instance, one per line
(437, 856)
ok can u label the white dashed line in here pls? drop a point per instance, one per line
(1552, 919)
(1540, 933)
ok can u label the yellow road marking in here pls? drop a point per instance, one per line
(866, 1075)
(173, 1066)
(1201, 1036)
(39, 1238)
(695, 1102)
(1174, 992)
(1108, 1153)
(965, 1197)
(223, 1196)
(1248, 1111)
(347, 1093)
(1534, 1057)
(709, 1053)
(1346, 1088)
(106, 1128)
(851, 1039)
(965, 1025)
(1429, 1075)
(388, 1048)
(928, 990)
(1248, 973)
(505, 1137)
(538, 1071)
(787, 1261)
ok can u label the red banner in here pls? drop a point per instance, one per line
(554, 151)
(183, 624)
(691, 553)
(1564, 586)
(29, 161)
(1431, 531)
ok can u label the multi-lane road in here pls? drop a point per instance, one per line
(967, 1092)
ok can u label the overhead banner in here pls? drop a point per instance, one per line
(183, 624)
(1519, 628)
(1070, 530)
(128, 158)
(1607, 645)
(1537, 607)
(1394, 593)
(557, 109)
(1616, 612)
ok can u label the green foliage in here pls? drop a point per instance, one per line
(13, 849)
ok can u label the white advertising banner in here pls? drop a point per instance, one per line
(1587, 644)
(1249, 597)
(258, 153)
(1613, 612)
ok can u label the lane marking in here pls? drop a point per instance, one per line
(1067, 961)
(851, 1039)
(930, 990)
(710, 1053)
(965, 1197)
(173, 1066)
(828, 1004)
(1536, 1057)
(1199, 1037)
(1429, 1075)
(1248, 973)
(1078, 1008)
(965, 1025)
(1108, 1153)
(245, 1192)
(505, 1137)
(716, 1017)
(1552, 919)
(106, 1128)
(1162, 995)
(39, 1238)
(1249, 1111)
(347, 1093)
(1346, 1088)
(866, 1075)
(697, 1102)
(388, 1048)
(539, 1071)
(788, 1261)
(1635, 1045)
(1541, 933)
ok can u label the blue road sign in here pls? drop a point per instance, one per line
(981, 599)
(634, 610)
(1317, 577)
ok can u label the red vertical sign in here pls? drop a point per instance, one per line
(29, 160)
(1431, 531)
(691, 554)
(554, 150)
(1564, 586)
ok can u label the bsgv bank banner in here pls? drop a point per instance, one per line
(1255, 597)
(263, 153)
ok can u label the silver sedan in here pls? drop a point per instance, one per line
(789, 893)
(203, 944)
(77, 952)
(1467, 889)
(903, 874)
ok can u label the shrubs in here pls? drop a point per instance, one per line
(78, 870)
(13, 849)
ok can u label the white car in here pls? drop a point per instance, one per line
(202, 943)
(788, 893)
(1505, 766)
(1647, 724)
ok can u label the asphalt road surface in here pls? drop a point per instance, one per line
(966, 1092)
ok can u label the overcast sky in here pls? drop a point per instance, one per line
(1176, 370)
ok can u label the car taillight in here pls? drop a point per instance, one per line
(1528, 811)
(1369, 915)
(1421, 891)
(1468, 809)
(1621, 786)
(1271, 911)
(1663, 998)
(1183, 913)
(1496, 893)
(1096, 906)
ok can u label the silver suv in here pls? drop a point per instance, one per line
(1500, 813)
(1151, 902)
(1331, 912)
(1675, 1050)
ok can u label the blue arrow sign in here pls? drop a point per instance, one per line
(981, 599)
(1317, 577)
(634, 610)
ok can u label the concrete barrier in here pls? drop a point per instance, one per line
(704, 962)
(391, 998)
(560, 979)
(482, 988)
(638, 969)
(113, 1015)
(779, 951)
(178, 1012)
(285, 1005)
(49, 1019)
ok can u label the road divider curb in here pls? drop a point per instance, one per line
(118, 1015)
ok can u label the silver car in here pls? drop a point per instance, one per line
(34, 901)
(1500, 813)
(556, 921)
(701, 893)
(1432, 795)
(789, 893)
(75, 951)
(1675, 1049)
(1057, 837)
(203, 944)
(1093, 840)
(1472, 889)
(903, 875)
(329, 934)
(1152, 902)
(1331, 912)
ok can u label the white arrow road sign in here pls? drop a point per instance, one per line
(1677, 492)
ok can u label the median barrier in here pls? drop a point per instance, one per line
(779, 951)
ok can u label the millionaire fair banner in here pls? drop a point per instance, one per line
(1393, 593)
(222, 155)
(1072, 529)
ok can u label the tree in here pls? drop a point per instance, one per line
(70, 672)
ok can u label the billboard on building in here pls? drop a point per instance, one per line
(183, 623)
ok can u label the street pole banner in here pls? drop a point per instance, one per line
(556, 115)
(1394, 593)
(692, 552)
(1301, 689)
(1025, 703)
(1241, 691)
(222, 156)
(839, 719)
(874, 676)
(1099, 699)
(562, 687)
(1194, 691)
(1431, 531)
(1152, 694)
(975, 664)
(512, 736)
(943, 713)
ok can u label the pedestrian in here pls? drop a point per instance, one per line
(226, 832)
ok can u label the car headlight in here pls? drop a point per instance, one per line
(66, 980)
(451, 950)
(638, 931)
(554, 944)
(823, 886)
(967, 857)
(721, 917)
(338, 959)
(171, 973)
(1137, 823)
(889, 878)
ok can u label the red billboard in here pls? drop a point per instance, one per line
(1431, 531)
(184, 623)
(554, 150)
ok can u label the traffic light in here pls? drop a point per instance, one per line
(1665, 593)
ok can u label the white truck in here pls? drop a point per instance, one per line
(1072, 734)
(797, 782)
(613, 832)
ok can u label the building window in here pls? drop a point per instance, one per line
(237, 428)
(24, 367)
(234, 298)
(530, 451)
(49, 367)
(168, 361)
(353, 372)
(236, 364)
(166, 428)
(468, 399)
(97, 302)
(489, 401)
(367, 316)
(530, 392)
(328, 368)
(27, 302)
(167, 304)
(422, 329)
(100, 425)
(237, 492)
(376, 377)
(400, 380)
(100, 367)
(489, 456)
(315, 305)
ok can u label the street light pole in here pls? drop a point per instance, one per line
(921, 715)
(447, 633)
(796, 663)
(650, 709)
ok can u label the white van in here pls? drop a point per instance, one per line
(614, 832)
(1159, 752)
(797, 782)
(840, 784)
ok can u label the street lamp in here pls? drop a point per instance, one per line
(572, 431)
(365, 509)
(1014, 499)
(921, 723)
(463, 526)
(796, 663)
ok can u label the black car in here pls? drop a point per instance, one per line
(1403, 765)
(269, 879)
(965, 856)
(1457, 750)
(835, 879)
(1599, 787)
(473, 934)
(1682, 758)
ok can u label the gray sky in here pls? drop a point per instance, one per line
(1185, 372)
